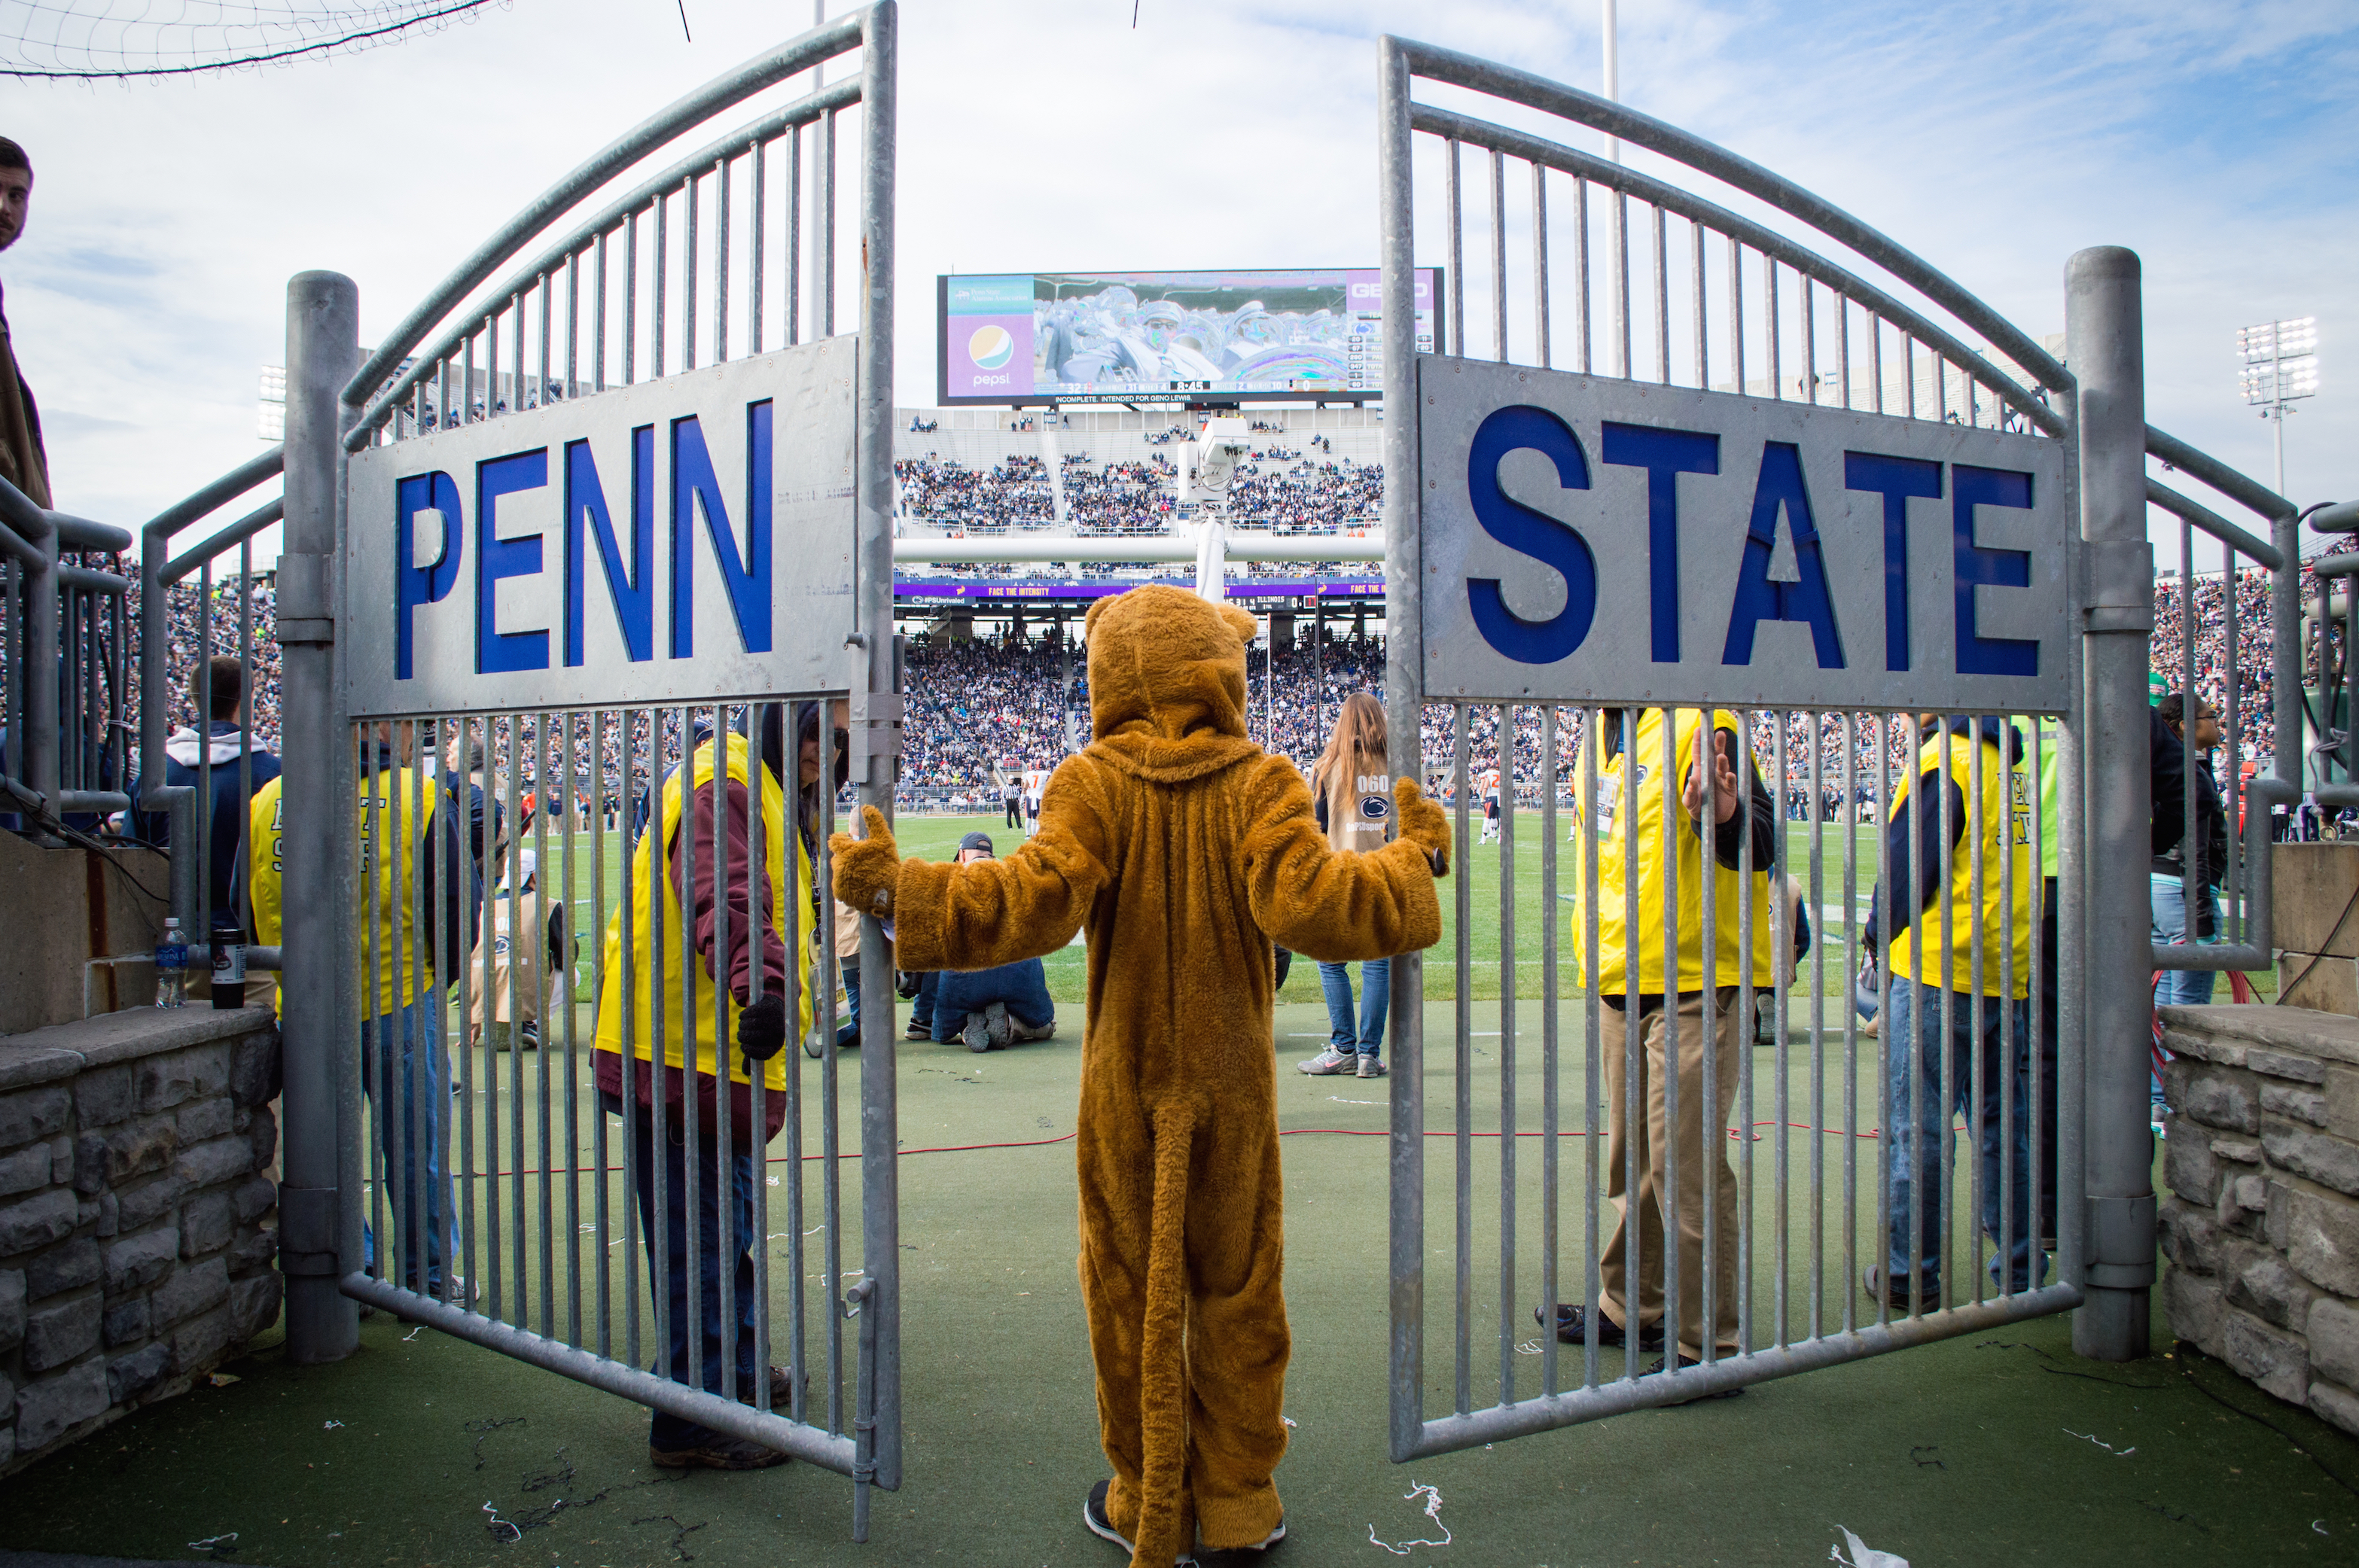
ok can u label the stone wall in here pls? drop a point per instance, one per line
(138, 1203)
(2261, 1225)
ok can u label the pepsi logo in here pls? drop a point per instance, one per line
(991, 347)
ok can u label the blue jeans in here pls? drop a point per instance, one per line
(408, 1084)
(1913, 1033)
(1022, 987)
(670, 1432)
(847, 1033)
(1375, 995)
(2182, 988)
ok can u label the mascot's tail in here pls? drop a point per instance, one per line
(1163, 1369)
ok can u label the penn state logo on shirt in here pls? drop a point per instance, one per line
(1374, 807)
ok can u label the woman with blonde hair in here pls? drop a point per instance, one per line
(1351, 790)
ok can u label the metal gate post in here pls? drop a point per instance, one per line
(876, 748)
(322, 347)
(2105, 351)
(1404, 712)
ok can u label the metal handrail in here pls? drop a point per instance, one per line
(2281, 785)
(158, 572)
(803, 110)
(811, 48)
(1628, 125)
(36, 535)
(1672, 199)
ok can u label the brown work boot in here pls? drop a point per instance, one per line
(717, 1454)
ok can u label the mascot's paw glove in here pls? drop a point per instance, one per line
(762, 1027)
(867, 870)
(1423, 822)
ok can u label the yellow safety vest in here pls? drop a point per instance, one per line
(388, 914)
(651, 879)
(265, 822)
(1976, 907)
(1633, 783)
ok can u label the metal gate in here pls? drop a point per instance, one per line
(1687, 478)
(663, 394)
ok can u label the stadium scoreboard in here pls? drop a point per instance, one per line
(1292, 334)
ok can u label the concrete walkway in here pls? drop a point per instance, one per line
(1995, 1449)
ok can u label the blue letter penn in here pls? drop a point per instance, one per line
(498, 652)
(416, 585)
(695, 486)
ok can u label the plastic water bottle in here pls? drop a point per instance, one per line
(171, 966)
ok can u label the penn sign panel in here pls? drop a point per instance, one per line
(1587, 539)
(681, 540)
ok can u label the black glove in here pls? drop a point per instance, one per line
(762, 1028)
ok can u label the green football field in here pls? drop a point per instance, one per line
(1814, 855)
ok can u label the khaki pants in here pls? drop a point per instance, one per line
(1687, 1144)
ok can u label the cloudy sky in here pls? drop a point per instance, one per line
(2216, 138)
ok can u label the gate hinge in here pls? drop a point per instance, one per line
(876, 719)
(307, 604)
(307, 1231)
(2117, 579)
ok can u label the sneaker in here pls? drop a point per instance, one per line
(1101, 1524)
(1686, 1362)
(1022, 1031)
(1234, 1556)
(1871, 1279)
(528, 1035)
(976, 1032)
(1572, 1327)
(1369, 1067)
(1331, 1063)
(718, 1454)
(918, 1031)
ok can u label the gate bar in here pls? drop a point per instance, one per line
(771, 1430)
(1544, 1412)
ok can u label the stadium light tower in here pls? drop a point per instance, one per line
(2281, 364)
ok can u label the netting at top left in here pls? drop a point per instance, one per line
(100, 39)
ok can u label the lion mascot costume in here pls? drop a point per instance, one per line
(1185, 851)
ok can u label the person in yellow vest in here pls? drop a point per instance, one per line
(1663, 860)
(521, 953)
(1959, 952)
(654, 1005)
(405, 1070)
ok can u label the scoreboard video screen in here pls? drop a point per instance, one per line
(1304, 334)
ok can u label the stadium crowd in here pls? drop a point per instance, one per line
(977, 705)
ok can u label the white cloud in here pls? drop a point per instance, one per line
(1992, 139)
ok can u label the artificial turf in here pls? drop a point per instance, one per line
(1995, 1447)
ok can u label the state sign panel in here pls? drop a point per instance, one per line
(1585, 539)
(679, 540)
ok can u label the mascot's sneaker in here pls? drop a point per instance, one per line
(1370, 1068)
(1332, 1061)
(1234, 1556)
(976, 1032)
(1094, 1515)
(997, 1026)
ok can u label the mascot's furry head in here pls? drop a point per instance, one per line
(1167, 682)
